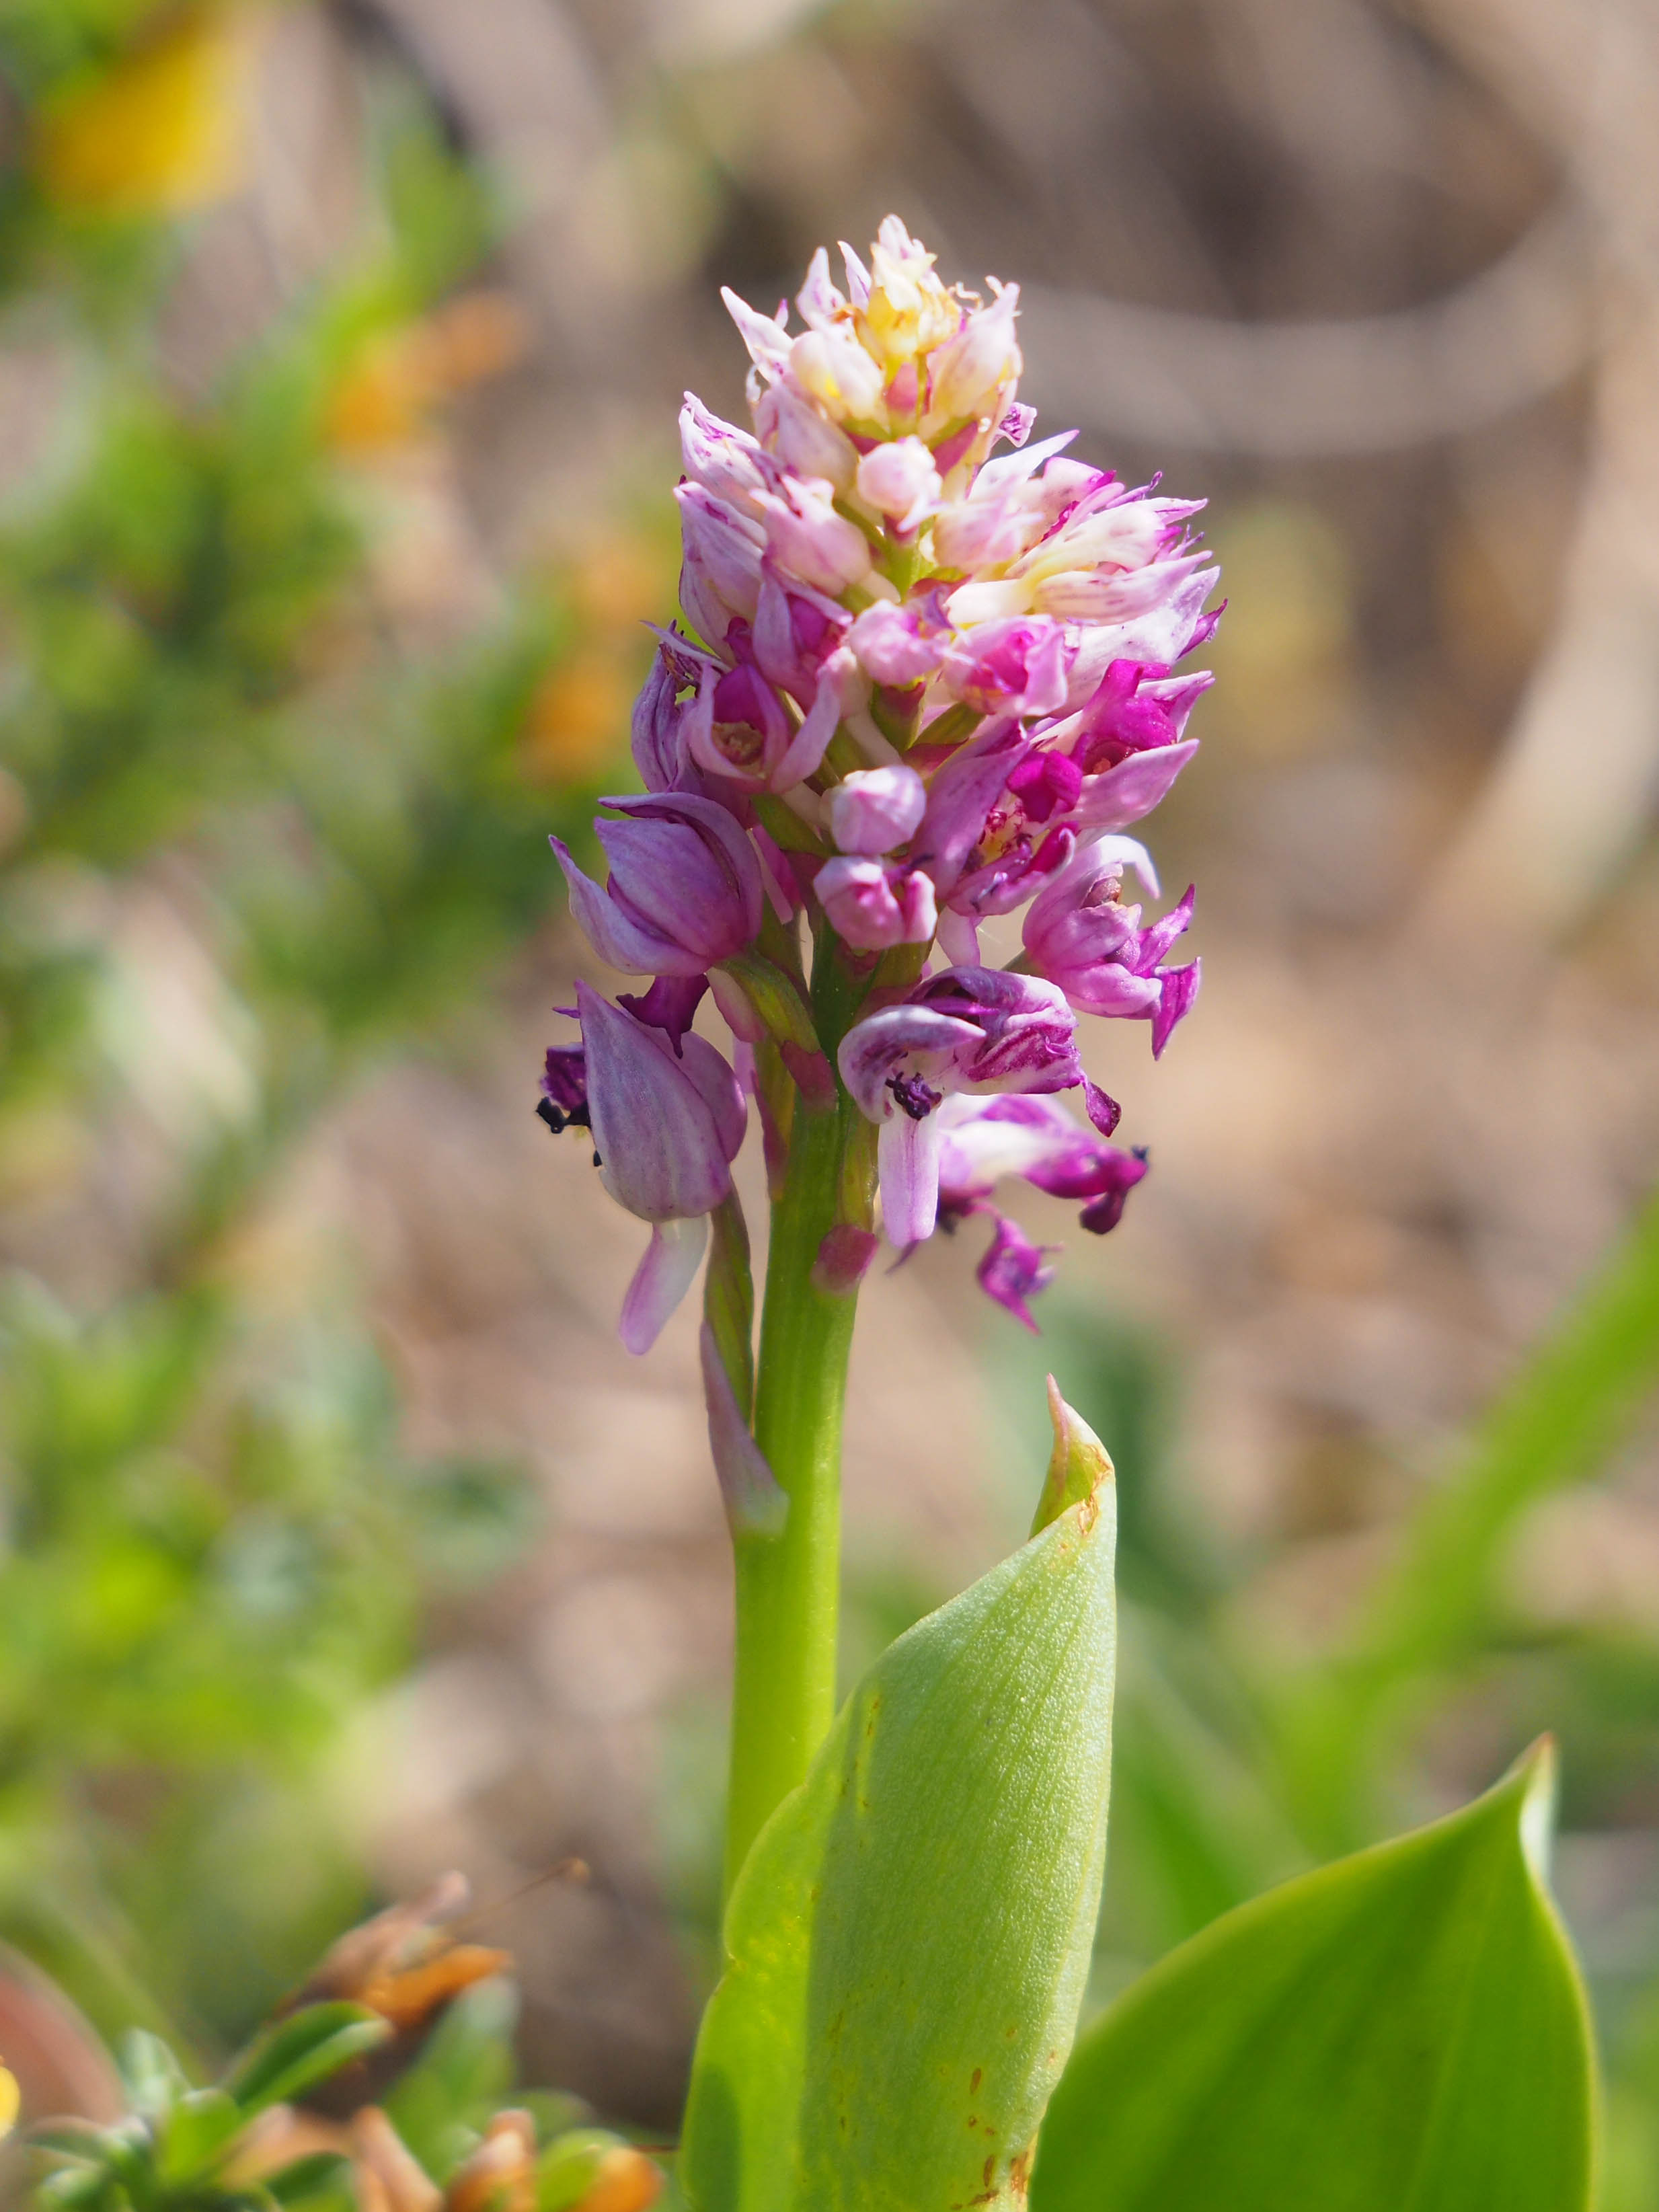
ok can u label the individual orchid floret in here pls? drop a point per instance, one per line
(1114, 557)
(1079, 935)
(665, 1130)
(684, 890)
(907, 311)
(873, 904)
(902, 645)
(737, 728)
(796, 630)
(984, 1139)
(1014, 1270)
(964, 1029)
(810, 539)
(900, 482)
(973, 373)
(800, 435)
(1133, 709)
(720, 563)
(1016, 666)
(877, 810)
(729, 464)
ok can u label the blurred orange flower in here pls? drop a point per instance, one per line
(386, 398)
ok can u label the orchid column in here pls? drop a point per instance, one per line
(920, 684)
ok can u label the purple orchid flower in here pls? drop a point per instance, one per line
(902, 645)
(665, 1130)
(731, 466)
(1014, 666)
(796, 630)
(685, 890)
(720, 563)
(974, 1029)
(984, 1139)
(1014, 1269)
(1078, 934)
(807, 537)
(737, 729)
(874, 903)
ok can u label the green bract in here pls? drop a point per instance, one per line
(908, 1939)
(1403, 2031)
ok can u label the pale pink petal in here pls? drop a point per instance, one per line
(662, 1279)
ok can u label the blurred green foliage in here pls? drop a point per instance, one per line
(1237, 1766)
(211, 1544)
(184, 2149)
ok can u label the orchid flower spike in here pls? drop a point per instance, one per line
(929, 671)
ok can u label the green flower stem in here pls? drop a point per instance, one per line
(788, 1586)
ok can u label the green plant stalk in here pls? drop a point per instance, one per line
(788, 1587)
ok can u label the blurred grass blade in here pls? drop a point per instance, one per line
(1404, 2031)
(908, 1940)
(1560, 1421)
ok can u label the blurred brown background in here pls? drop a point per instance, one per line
(1383, 282)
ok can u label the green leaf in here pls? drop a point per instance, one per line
(304, 2049)
(153, 2077)
(198, 2129)
(908, 1939)
(1077, 1465)
(440, 2104)
(322, 2174)
(1404, 2031)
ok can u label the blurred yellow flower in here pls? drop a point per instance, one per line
(8, 2101)
(162, 131)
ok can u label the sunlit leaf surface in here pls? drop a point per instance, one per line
(909, 1938)
(1401, 2031)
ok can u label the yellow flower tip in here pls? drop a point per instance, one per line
(164, 131)
(908, 311)
(10, 2098)
(1078, 1466)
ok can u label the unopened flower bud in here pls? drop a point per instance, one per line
(833, 369)
(972, 369)
(873, 905)
(685, 890)
(804, 531)
(876, 809)
(900, 481)
(803, 439)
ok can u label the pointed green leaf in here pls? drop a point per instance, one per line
(1077, 1465)
(305, 2048)
(152, 2076)
(198, 2131)
(909, 1936)
(1404, 2031)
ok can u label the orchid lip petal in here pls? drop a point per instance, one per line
(908, 1156)
(661, 1281)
